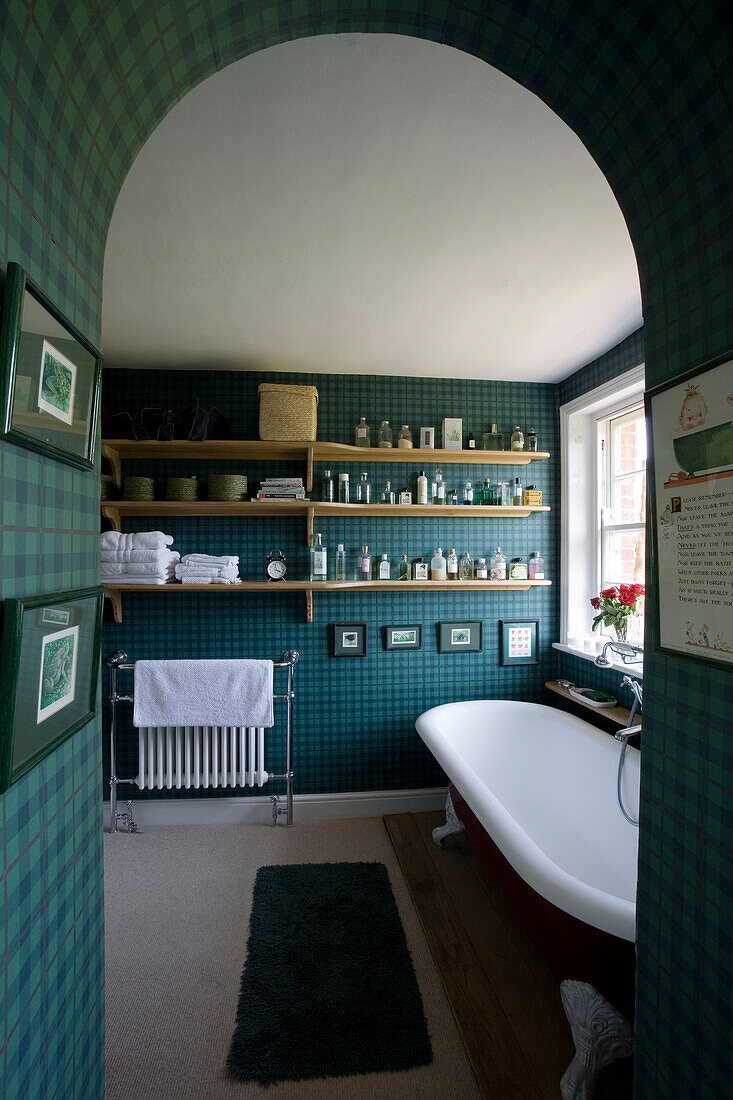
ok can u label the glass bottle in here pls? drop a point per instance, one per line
(387, 493)
(481, 570)
(340, 563)
(327, 491)
(404, 569)
(362, 434)
(487, 495)
(536, 568)
(404, 438)
(517, 570)
(498, 565)
(468, 492)
(471, 441)
(452, 565)
(504, 495)
(363, 490)
(420, 569)
(405, 496)
(493, 440)
(384, 568)
(453, 496)
(385, 434)
(532, 443)
(422, 488)
(318, 559)
(365, 564)
(343, 488)
(465, 568)
(438, 566)
(438, 489)
(517, 493)
(517, 442)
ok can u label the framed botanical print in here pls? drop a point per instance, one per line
(465, 636)
(49, 376)
(349, 639)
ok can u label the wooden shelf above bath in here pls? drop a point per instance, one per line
(114, 592)
(615, 714)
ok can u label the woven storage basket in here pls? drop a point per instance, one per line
(181, 488)
(227, 487)
(288, 412)
(108, 486)
(138, 488)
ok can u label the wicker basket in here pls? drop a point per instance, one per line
(138, 488)
(288, 412)
(181, 488)
(227, 487)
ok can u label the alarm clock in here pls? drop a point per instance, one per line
(275, 566)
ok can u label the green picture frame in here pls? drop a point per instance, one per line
(519, 641)
(403, 636)
(349, 639)
(460, 636)
(50, 376)
(48, 675)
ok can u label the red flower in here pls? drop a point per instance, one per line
(595, 602)
(627, 595)
(639, 589)
(609, 593)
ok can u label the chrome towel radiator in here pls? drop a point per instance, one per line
(186, 757)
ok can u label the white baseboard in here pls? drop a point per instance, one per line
(257, 810)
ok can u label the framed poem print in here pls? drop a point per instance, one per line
(48, 675)
(49, 374)
(349, 639)
(690, 498)
(519, 642)
(407, 636)
(460, 637)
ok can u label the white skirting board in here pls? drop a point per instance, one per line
(257, 810)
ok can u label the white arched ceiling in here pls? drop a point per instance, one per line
(366, 204)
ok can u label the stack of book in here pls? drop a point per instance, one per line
(281, 488)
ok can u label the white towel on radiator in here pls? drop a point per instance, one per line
(203, 693)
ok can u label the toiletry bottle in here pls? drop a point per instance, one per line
(422, 488)
(318, 559)
(487, 495)
(327, 492)
(343, 488)
(468, 492)
(438, 491)
(387, 493)
(517, 570)
(493, 440)
(498, 565)
(420, 569)
(536, 568)
(365, 565)
(517, 443)
(481, 570)
(363, 490)
(385, 434)
(453, 499)
(532, 440)
(405, 496)
(504, 495)
(340, 563)
(404, 438)
(517, 492)
(452, 565)
(471, 442)
(438, 566)
(404, 569)
(362, 434)
(465, 568)
(384, 568)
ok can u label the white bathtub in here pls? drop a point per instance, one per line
(543, 785)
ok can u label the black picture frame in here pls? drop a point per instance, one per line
(702, 467)
(460, 636)
(393, 629)
(519, 641)
(348, 639)
(48, 675)
(50, 376)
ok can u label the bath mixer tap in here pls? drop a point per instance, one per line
(625, 734)
(629, 654)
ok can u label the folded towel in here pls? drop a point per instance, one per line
(209, 559)
(131, 578)
(163, 556)
(226, 572)
(205, 578)
(135, 540)
(203, 693)
(142, 568)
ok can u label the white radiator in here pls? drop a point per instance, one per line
(201, 756)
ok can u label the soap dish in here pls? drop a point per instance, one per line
(592, 697)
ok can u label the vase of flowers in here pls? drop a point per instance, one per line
(615, 606)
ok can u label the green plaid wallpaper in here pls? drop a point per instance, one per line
(646, 87)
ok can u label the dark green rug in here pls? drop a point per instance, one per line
(328, 988)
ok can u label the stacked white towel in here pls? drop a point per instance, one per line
(138, 557)
(208, 569)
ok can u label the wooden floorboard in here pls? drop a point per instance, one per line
(504, 996)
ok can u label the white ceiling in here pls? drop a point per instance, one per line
(366, 204)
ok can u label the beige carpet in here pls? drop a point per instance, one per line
(177, 906)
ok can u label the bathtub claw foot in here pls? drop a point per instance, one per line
(452, 824)
(600, 1033)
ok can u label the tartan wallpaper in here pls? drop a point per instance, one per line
(646, 87)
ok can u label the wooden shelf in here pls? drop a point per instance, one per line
(114, 591)
(343, 452)
(615, 714)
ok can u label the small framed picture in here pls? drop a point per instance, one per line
(519, 642)
(403, 636)
(349, 639)
(460, 637)
(427, 439)
(453, 434)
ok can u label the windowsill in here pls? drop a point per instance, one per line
(636, 670)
